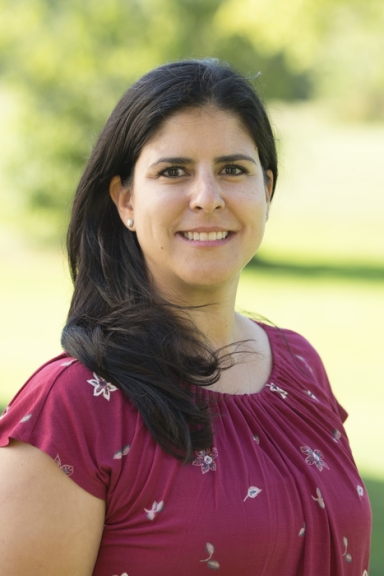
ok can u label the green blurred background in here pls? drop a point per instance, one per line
(63, 66)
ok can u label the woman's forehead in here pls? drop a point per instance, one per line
(201, 127)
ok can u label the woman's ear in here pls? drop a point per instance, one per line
(121, 196)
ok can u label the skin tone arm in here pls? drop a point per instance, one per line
(48, 524)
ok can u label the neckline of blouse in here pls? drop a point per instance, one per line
(271, 332)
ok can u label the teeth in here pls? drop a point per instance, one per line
(204, 236)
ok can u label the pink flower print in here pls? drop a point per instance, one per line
(253, 491)
(319, 498)
(102, 387)
(156, 507)
(68, 470)
(25, 418)
(274, 388)
(348, 557)
(5, 412)
(206, 459)
(360, 490)
(213, 564)
(123, 452)
(336, 435)
(314, 457)
(302, 530)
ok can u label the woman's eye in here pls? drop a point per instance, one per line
(234, 170)
(173, 172)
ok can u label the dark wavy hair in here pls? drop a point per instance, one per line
(117, 325)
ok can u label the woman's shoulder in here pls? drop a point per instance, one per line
(73, 415)
(66, 378)
(291, 344)
(296, 358)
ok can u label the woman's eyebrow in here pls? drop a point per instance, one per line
(182, 160)
(173, 160)
(234, 158)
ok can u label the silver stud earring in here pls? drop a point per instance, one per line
(129, 222)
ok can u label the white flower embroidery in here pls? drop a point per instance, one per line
(206, 459)
(348, 557)
(256, 438)
(213, 564)
(123, 452)
(253, 491)
(310, 394)
(274, 388)
(336, 435)
(360, 490)
(25, 418)
(125, 574)
(156, 507)
(102, 387)
(319, 498)
(66, 468)
(314, 457)
(302, 530)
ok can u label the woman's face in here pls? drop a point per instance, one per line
(199, 201)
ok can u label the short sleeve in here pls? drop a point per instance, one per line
(309, 360)
(65, 410)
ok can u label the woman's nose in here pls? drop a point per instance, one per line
(206, 194)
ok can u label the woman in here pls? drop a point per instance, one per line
(191, 438)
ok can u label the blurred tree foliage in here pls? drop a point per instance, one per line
(64, 65)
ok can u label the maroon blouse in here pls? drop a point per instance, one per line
(278, 493)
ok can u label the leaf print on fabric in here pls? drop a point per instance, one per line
(25, 418)
(213, 564)
(360, 490)
(274, 388)
(206, 459)
(319, 498)
(253, 491)
(310, 394)
(156, 507)
(102, 387)
(348, 557)
(123, 452)
(302, 531)
(336, 435)
(5, 412)
(66, 468)
(314, 457)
